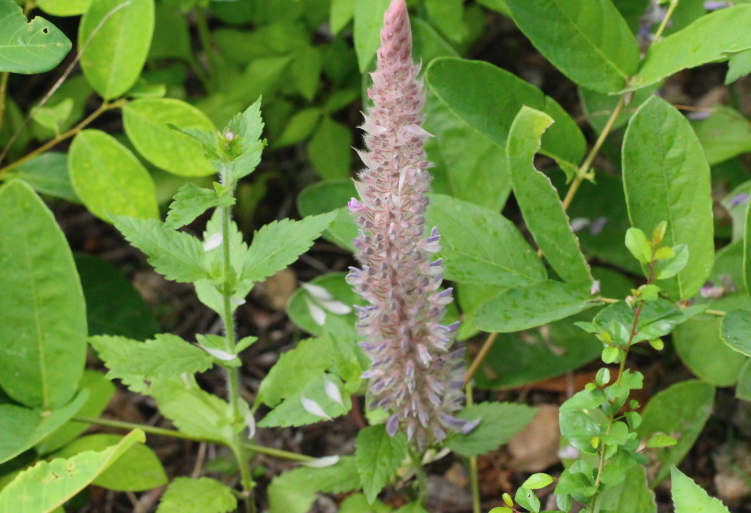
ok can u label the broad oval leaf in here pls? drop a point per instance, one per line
(482, 246)
(47, 485)
(539, 201)
(666, 178)
(42, 308)
(711, 38)
(109, 178)
(115, 36)
(588, 40)
(147, 125)
(736, 330)
(29, 47)
(136, 470)
(725, 134)
(527, 307)
(680, 411)
(488, 98)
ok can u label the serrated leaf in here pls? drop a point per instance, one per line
(378, 457)
(539, 201)
(190, 202)
(47, 485)
(311, 405)
(500, 421)
(29, 46)
(167, 355)
(278, 244)
(296, 490)
(176, 255)
(203, 495)
(688, 497)
(249, 126)
(138, 469)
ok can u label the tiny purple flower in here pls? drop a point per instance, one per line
(738, 199)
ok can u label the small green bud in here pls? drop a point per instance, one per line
(658, 234)
(603, 376)
(507, 500)
(595, 441)
(657, 344)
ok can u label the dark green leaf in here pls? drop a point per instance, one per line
(42, 308)
(539, 201)
(378, 456)
(48, 174)
(300, 127)
(631, 496)
(29, 46)
(341, 12)
(115, 39)
(526, 307)
(681, 411)
(587, 40)
(109, 178)
(447, 15)
(725, 134)
(176, 255)
(330, 149)
(599, 106)
(331, 196)
(666, 178)
(500, 422)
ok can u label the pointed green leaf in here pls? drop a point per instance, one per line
(115, 37)
(310, 405)
(176, 255)
(368, 22)
(341, 12)
(588, 40)
(42, 308)
(47, 485)
(23, 428)
(726, 133)
(666, 178)
(739, 66)
(29, 46)
(447, 16)
(202, 495)
(378, 457)
(138, 469)
(109, 178)
(500, 422)
(522, 308)
(689, 497)
(278, 244)
(147, 124)
(190, 202)
(723, 33)
(539, 201)
(330, 149)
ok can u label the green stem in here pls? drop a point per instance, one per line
(661, 28)
(474, 477)
(233, 378)
(204, 35)
(422, 478)
(3, 90)
(128, 426)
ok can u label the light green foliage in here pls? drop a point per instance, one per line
(63, 7)
(109, 178)
(739, 66)
(29, 46)
(446, 15)
(482, 246)
(136, 470)
(191, 202)
(743, 388)
(725, 134)
(116, 43)
(368, 22)
(358, 503)
(412, 507)
(278, 244)
(723, 32)
(632, 11)
(23, 428)
(527, 499)
(42, 309)
(341, 12)
(203, 495)
(47, 174)
(305, 71)
(468, 166)
(736, 330)
(378, 457)
(537, 481)
(334, 283)
(522, 308)
(679, 411)
(666, 178)
(538, 199)
(165, 356)
(54, 117)
(330, 149)
(688, 497)
(147, 124)
(631, 496)
(74, 89)
(101, 391)
(176, 255)
(295, 491)
(488, 98)
(589, 41)
(639, 246)
(47, 485)
(500, 422)
(248, 126)
(113, 305)
(292, 412)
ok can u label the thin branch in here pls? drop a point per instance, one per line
(480, 357)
